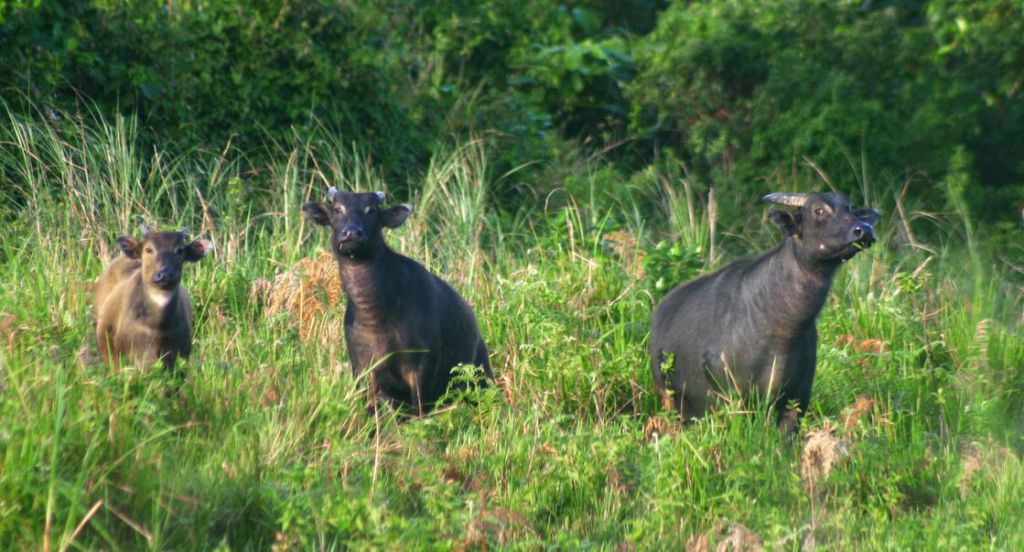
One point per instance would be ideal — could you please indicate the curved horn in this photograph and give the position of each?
(380, 197)
(793, 200)
(331, 192)
(144, 229)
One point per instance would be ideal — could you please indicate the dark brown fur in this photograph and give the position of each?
(143, 314)
(407, 324)
(750, 326)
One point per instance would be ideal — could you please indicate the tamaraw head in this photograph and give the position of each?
(824, 226)
(356, 221)
(163, 254)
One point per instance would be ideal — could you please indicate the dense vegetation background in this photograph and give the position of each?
(569, 163)
(741, 93)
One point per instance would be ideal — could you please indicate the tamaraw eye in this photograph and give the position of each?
(370, 210)
(339, 209)
(149, 249)
(819, 212)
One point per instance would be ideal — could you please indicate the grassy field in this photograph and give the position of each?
(913, 441)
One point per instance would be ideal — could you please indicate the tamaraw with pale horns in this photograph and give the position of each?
(405, 323)
(751, 325)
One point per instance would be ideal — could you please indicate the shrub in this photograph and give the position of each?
(744, 91)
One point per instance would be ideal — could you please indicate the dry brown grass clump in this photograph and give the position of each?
(864, 415)
(305, 292)
(983, 460)
(502, 526)
(732, 537)
(658, 427)
(979, 346)
(862, 346)
(820, 454)
(971, 464)
(8, 329)
(469, 482)
(626, 246)
(859, 409)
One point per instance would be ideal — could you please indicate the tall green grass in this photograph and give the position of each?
(268, 443)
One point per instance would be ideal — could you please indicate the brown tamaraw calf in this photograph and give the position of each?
(751, 325)
(405, 323)
(143, 313)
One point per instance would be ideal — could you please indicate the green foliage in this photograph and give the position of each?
(748, 90)
(268, 443)
(209, 74)
(9, 6)
(981, 71)
(740, 92)
(569, 164)
(666, 265)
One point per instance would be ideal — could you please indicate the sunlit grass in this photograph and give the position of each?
(268, 441)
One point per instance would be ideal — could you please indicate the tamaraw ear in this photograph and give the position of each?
(317, 212)
(868, 216)
(787, 221)
(197, 250)
(395, 216)
(129, 246)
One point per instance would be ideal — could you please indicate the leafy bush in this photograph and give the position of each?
(668, 265)
(747, 90)
(206, 74)
(873, 93)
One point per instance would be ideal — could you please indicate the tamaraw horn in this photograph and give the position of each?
(793, 200)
